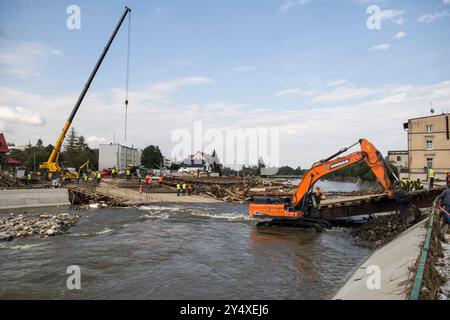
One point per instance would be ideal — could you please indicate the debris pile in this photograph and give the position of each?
(443, 267)
(243, 192)
(379, 230)
(80, 196)
(8, 181)
(43, 225)
(235, 194)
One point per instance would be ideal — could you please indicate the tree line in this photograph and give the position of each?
(75, 152)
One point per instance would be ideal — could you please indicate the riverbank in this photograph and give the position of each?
(133, 197)
(387, 274)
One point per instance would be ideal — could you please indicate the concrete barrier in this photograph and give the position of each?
(29, 198)
(390, 266)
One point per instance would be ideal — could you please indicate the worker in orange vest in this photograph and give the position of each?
(149, 181)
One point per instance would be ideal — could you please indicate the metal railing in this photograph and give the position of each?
(415, 292)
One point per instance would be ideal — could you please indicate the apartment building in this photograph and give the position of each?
(428, 146)
(116, 155)
(399, 158)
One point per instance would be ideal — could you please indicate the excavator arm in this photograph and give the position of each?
(368, 153)
(296, 210)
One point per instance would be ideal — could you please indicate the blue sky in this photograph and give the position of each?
(288, 64)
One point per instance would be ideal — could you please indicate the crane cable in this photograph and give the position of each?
(127, 74)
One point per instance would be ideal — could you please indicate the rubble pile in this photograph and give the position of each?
(81, 196)
(242, 192)
(235, 194)
(8, 181)
(43, 225)
(378, 230)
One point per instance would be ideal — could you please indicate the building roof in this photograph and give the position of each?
(10, 160)
(3, 145)
(398, 152)
(200, 158)
(432, 116)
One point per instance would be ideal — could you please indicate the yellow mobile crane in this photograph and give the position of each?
(51, 166)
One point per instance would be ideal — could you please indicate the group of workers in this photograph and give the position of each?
(410, 185)
(184, 187)
(149, 180)
(78, 176)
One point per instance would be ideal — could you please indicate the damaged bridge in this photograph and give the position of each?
(370, 204)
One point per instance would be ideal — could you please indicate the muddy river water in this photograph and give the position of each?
(178, 252)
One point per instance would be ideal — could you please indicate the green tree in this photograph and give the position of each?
(228, 172)
(288, 171)
(151, 157)
(77, 152)
(261, 165)
(71, 143)
(39, 143)
(174, 166)
(216, 166)
(32, 156)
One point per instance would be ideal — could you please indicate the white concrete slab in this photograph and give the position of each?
(394, 260)
(30, 198)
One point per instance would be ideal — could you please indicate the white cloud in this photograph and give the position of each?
(338, 82)
(395, 16)
(291, 4)
(94, 141)
(24, 59)
(431, 17)
(288, 92)
(347, 93)
(294, 92)
(376, 113)
(380, 47)
(446, 1)
(243, 68)
(399, 35)
(20, 115)
(162, 90)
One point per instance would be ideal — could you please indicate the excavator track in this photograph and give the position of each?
(302, 223)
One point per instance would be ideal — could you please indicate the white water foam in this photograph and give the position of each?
(151, 208)
(26, 246)
(233, 216)
(155, 215)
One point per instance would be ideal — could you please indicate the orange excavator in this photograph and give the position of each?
(301, 209)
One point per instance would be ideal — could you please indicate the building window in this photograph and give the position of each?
(430, 162)
(429, 128)
(399, 158)
(429, 144)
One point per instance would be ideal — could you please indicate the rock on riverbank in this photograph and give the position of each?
(380, 230)
(43, 225)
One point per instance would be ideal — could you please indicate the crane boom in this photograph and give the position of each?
(52, 163)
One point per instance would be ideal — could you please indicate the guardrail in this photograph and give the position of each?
(415, 292)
